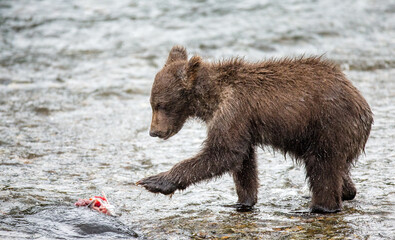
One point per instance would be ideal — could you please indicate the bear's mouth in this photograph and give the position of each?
(168, 135)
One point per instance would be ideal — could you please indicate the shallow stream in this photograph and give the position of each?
(75, 79)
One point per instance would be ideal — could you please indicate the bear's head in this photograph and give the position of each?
(171, 93)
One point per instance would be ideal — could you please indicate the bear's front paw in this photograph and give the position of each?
(324, 210)
(158, 184)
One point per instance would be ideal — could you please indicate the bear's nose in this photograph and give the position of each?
(154, 133)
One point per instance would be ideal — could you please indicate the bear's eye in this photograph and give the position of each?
(160, 106)
(164, 107)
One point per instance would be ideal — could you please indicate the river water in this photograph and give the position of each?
(75, 79)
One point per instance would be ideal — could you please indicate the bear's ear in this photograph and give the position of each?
(177, 53)
(192, 69)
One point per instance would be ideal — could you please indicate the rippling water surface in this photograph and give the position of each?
(75, 79)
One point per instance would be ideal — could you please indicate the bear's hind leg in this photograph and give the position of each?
(349, 191)
(247, 183)
(325, 177)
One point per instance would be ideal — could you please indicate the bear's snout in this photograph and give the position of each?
(160, 134)
(154, 133)
(161, 125)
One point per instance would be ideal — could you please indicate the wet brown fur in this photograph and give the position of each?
(304, 107)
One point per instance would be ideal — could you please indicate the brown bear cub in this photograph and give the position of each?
(305, 107)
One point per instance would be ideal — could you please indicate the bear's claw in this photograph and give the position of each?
(158, 184)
